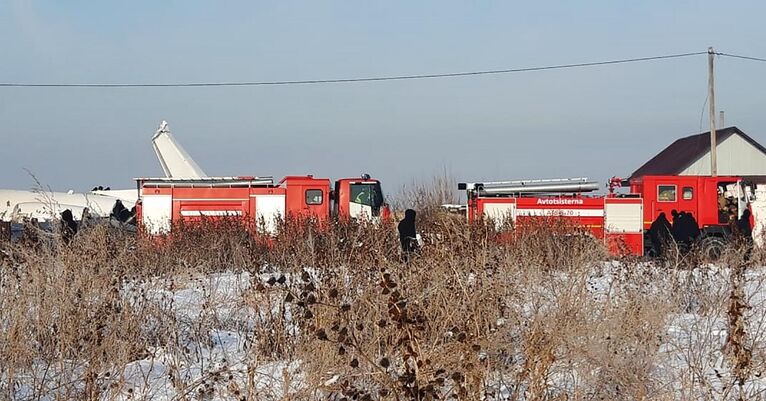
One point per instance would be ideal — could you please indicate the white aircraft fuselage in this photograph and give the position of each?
(45, 206)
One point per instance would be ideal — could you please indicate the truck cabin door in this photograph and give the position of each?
(674, 195)
(687, 199)
(744, 196)
(314, 203)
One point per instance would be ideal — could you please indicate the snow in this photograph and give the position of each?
(216, 319)
(216, 366)
(214, 329)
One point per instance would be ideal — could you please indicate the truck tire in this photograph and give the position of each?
(712, 247)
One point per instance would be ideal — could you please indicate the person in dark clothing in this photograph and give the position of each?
(132, 218)
(685, 228)
(694, 227)
(745, 232)
(118, 210)
(675, 227)
(660, 233)
(408, 233)
(744, 228)
(68, 225)
(674, 214)
(124, 216)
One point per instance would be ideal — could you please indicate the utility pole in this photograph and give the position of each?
(711, 112)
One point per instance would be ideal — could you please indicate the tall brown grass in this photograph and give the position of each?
(546, 317)
(427, 196)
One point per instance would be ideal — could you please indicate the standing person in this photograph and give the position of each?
(118, 210)
(683, 229)
(745, 231)
(408, 233)
(674, 225)
(68, 226)
(694, 227)
(743, 225)
(660, 233)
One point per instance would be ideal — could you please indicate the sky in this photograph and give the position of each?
(596, 122)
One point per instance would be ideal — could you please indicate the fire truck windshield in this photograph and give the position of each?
(368, 194)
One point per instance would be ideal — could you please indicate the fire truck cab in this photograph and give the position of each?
(257, 200)
(714, 202)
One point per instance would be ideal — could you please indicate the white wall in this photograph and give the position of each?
(735, 155)
(759, 214)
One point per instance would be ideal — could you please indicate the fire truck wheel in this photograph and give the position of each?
(712, 247)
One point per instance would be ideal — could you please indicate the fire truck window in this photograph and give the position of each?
(362, 194)
(688, 193)
(313, 196)
(666, 193)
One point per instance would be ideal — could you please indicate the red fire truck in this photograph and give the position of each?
(621, 220)
(256, 200)
(714, 202)
(612, 219)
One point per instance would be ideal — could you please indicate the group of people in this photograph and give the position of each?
(69, 226)
(684, 230)
(660, 233)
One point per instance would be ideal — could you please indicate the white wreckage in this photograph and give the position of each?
(43, 206)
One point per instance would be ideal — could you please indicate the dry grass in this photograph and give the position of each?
(427, 196)
(546, 317)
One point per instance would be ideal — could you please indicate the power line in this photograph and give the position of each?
(351, 80)
(742, 57)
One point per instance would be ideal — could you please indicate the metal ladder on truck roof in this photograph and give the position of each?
(205, 182)
(556, 185)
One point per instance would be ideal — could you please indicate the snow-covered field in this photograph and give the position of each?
(216, 321)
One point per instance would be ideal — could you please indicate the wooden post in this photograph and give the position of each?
(711, 112)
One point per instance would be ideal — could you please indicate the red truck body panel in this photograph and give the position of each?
(615, 221)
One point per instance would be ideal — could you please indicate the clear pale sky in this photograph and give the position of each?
(596, 122)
